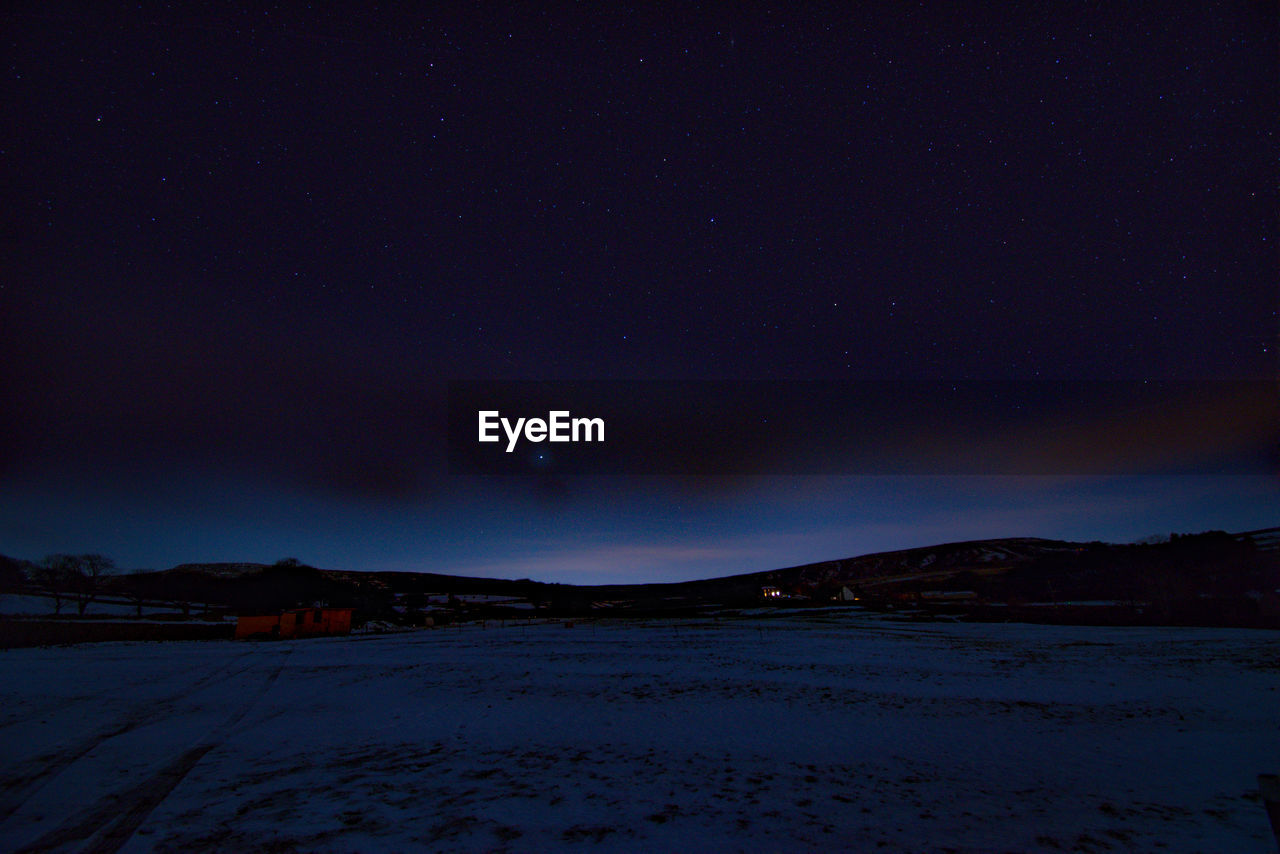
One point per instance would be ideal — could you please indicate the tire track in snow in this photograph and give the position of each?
(23, 782)
(111, 822)
(53, 707)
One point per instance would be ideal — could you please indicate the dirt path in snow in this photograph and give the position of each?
(109, 823)
(22, 782)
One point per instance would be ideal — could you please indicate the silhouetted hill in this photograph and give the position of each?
(218, 570)
(1212, 578)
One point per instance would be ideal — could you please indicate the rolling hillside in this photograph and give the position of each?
(1212, 578)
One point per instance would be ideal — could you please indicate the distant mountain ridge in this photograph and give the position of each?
(219, 570)
(947, 556)
(1212, 578)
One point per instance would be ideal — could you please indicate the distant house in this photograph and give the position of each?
(296, 623)
(770, 593)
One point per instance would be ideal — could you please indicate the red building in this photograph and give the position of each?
(296, 623)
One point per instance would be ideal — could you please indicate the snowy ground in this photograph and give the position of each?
(42, 606)
(824, 732)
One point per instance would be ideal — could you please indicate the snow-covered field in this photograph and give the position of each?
(836, 731)
(42, 606)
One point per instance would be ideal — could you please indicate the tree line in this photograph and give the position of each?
(72, 578)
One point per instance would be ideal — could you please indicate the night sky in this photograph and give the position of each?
(243, 252)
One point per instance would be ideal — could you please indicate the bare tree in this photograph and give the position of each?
(55, 577)
(88, 574)
(133, 589)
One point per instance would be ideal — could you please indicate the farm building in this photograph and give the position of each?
(296, 623)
